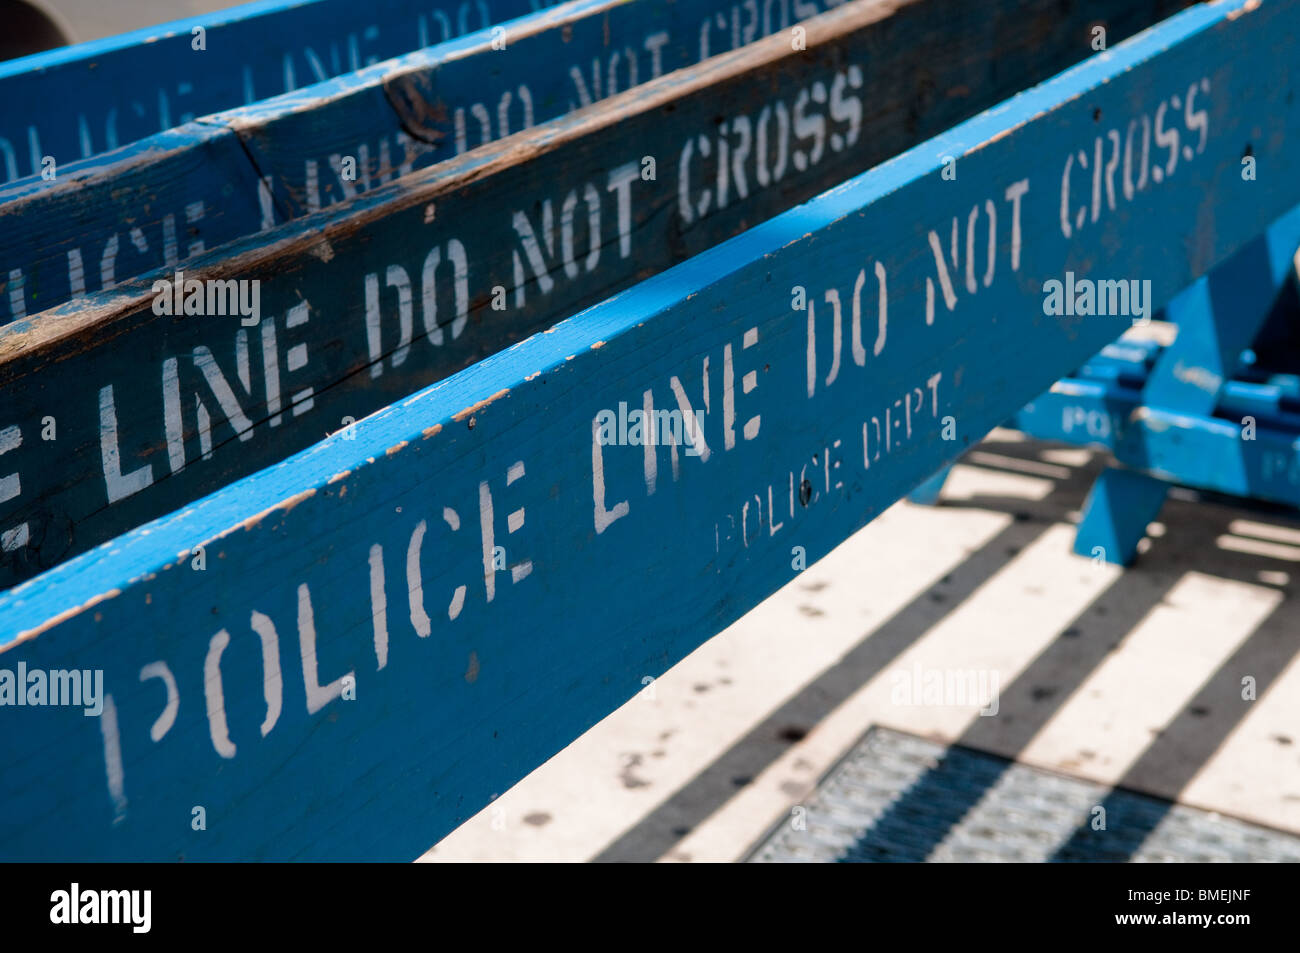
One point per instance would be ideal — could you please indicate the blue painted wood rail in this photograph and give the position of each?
(398, 623)
(160, 200)
(428, 273)
(81, 100)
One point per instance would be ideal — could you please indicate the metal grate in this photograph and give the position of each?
(897, 797)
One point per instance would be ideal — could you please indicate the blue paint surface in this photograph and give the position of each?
(348, 558)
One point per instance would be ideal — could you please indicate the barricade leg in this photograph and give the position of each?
(1116, 514)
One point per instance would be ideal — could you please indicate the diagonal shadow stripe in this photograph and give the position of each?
(656, 833)
(1026, 707)
(918, 821)
(672, 820)
(1188, 743)
(1176, 755)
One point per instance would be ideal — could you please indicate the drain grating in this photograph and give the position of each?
(897, 797)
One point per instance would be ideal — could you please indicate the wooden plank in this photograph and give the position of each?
(1248, 448)
(1115, 516)
(167, 197)
(115, 91)
(406, 283)
(358, 667)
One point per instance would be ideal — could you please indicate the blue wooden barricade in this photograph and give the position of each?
(449, 264)
(346, 654)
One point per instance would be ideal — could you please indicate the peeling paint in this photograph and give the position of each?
(252, 521)
(475, 408)
(59, 619)
(1249, 7)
